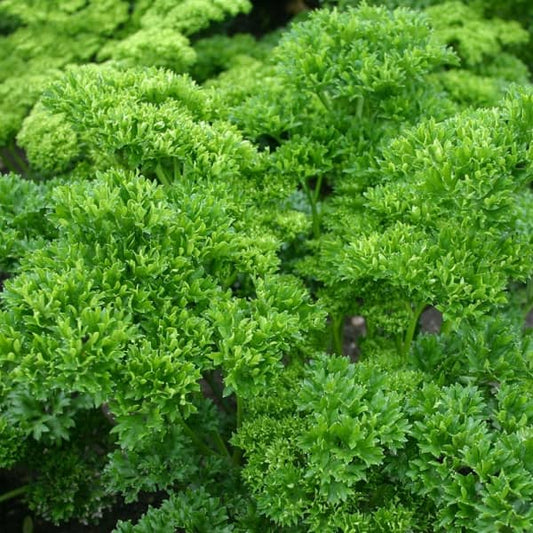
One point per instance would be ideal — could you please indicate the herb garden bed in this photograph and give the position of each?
(266, 268)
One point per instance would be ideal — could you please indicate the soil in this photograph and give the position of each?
(355, 328)
(3, 277)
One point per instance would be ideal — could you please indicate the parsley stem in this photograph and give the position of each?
(8, 164)
(314, 206)
(22, 165)
(325, 100)
(316, 222)
(13, 493)
(318, 187)
(197, 441)
(176, 169)
(446, 327)
(237, 453)
(312, 197)
(221, 444)
(161, 175)
(410, 333)
(360, 107)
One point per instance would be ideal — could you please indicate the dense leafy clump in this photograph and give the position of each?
(136, 312)
(492, 38)
(44, 37)
(128, 118)
(450, 223)
(23, 223)
(218, 253)
(371, 448)
(326, 115)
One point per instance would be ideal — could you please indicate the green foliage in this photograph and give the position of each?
(154, 121)
(49, 35)
(133, 313)
(194, 510)
(155, 466)
(67, 480)
(44, 134)
(311, 459)
(170, 255)
(160, 47)
(478, 478)
(159, 31)
(12, 449)
(490, 37)
(42, 37)
(483, 46)
(150, 119)
(351, 42)
(17, 96)
(180, 259)
(474, 38)
(488, 354)
(371, 448)
(23, 224)
(220, 52)
(449, 225)
(342, 82)
(186, 16)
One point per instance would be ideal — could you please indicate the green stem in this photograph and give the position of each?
(325, 100)
(9, 165)
(337, 327)
(221, 445)
(446, 327)
(316, 221)
(360, 106)
(197, 441)
(175, 165)
(410, 333)
(311, 196)
(318, 187)
(237, 453)
(23, 166)
(314, 206)
(13, 493)
(161, 176)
